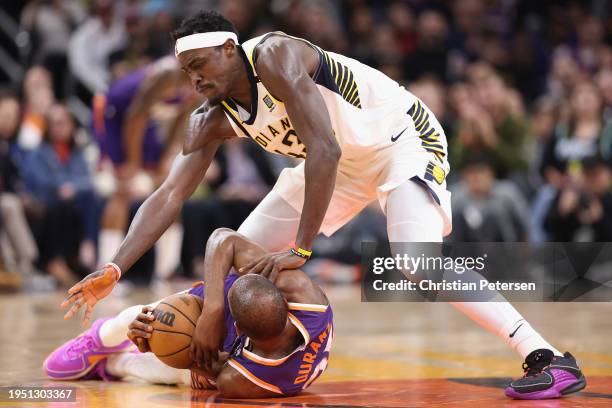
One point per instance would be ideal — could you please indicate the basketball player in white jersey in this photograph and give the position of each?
(363, 138)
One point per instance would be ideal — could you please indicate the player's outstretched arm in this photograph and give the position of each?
(152, 219)
(284, 66)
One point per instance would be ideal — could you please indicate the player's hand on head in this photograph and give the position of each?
(270, 265)
(89, 291)
(207, 339)
(139, 331)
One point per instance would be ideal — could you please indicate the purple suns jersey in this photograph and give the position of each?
(291, 374)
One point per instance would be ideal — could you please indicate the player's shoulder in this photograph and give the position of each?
(297, 287)
(205, 124)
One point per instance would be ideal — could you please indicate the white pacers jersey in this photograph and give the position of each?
(371, 116)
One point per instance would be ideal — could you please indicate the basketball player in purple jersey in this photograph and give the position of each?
(277, 339)
(363, 137)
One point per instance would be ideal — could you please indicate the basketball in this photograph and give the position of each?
(175, 320)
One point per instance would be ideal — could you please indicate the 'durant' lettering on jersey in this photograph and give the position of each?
(309, 358)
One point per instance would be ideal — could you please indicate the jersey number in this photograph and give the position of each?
(290, 139)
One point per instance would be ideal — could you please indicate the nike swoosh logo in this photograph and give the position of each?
(515, 330)
(394, 138)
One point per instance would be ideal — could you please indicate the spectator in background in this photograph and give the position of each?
(604, 83)
(57, 174)
(105, 29)
(38, 97)
(50, 23)
(433, 93)
(360, 31)
(431, 54)
(585, 134)
(139, 149)
(486, 209)
(402, 20)
(582, 211)
(490, 120)
(564, 74)
(17, 246)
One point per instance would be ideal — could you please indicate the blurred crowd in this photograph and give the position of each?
(522, 88)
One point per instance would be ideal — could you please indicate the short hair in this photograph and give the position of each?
(203, 22)
(259, 308)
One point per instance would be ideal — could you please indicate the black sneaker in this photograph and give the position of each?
(547, 376)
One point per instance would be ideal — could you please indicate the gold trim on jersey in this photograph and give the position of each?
(251, 377)
(430, 138)
(307, 307)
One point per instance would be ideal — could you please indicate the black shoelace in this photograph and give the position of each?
(535, 365)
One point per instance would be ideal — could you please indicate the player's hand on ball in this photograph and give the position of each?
(271, 264)
(140, 329)
(207, 339)
(89, 291)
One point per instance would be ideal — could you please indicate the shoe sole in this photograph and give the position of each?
(550, 393)
(577, 386)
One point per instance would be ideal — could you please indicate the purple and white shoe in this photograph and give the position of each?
(547, 376)
(82, 358)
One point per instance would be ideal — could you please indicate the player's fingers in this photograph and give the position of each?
(136, 333)
(274, 273)
(143, 317)
(204, 362)
(267, 269)
(71, 299)
(147, 309)
(195, 354)
(140, 325)
(249, 265)
(72, 311)
(143, 345)
(257, 268)
(76, 288)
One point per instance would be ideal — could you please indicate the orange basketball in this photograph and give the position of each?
(175, 321)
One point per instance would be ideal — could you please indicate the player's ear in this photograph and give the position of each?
(229, 47)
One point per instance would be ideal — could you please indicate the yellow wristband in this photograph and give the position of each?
(302, 251)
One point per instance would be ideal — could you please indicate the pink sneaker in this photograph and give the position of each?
(83, 357)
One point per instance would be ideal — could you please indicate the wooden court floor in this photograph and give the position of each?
(384, 355)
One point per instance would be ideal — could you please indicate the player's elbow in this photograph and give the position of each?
(228, 387)
(223, 236)
(328, 152)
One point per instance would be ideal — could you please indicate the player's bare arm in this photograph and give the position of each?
(154, 216)
(285, 67)
(226, 249)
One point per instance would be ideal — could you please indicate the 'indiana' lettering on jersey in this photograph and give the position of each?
(291, 374)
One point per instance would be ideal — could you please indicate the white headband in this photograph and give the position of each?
(203, 40)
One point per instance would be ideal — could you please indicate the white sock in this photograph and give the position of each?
(421, 222)
(147, 367)
(114, 331)
(502, 319)
(108, 242)
(168, 251)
